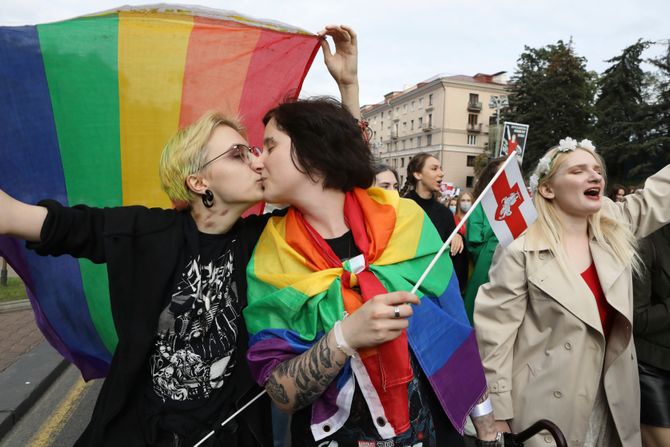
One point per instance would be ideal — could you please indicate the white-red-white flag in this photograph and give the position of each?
(508, 205)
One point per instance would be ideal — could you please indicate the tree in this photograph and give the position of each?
(623, 116)
(657, 142)
(551, 91)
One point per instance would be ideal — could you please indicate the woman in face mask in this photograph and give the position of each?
(452, 204)
(461, 205)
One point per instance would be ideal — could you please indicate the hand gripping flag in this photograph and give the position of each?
(297, 292)
(507, 204)
(87, 105)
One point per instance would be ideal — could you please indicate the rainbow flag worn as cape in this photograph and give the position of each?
(87, 105)
(296, 295)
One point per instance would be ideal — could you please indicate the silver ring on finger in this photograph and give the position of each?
(396, 312)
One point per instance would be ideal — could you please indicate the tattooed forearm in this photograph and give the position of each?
(486, 424)
(298, 382)
(276, 391)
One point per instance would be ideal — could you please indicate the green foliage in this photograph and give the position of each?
(657, 142)
(14, 290)
(623, 116)
(552, 92)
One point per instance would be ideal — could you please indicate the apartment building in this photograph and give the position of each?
(446, 116)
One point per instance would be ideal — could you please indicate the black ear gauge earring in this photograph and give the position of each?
(208, 198)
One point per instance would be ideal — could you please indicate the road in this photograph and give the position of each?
(59, 417)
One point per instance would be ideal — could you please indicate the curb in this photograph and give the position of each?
(11, 306)
(25, 381)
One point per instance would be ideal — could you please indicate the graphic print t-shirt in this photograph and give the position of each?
(195, 345)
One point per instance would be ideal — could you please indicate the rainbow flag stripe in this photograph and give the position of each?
(87, 105)
(294, 300)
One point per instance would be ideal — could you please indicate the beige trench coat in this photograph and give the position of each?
(540, 336)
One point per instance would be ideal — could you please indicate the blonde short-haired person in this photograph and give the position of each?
(177, 283)
(554, 324)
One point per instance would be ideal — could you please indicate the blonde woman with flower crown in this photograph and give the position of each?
(554, 322)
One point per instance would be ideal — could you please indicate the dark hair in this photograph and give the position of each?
(381, 167)
(614, 189)
(416, 164)
(486, 175)
(325, 141)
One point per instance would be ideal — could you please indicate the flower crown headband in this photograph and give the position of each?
(544, 165)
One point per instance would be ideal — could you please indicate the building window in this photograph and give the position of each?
(472, 119)
(472, 140)
(404, 108)
(429, 140)
(470, 161)
(388, 148)
(420, 103)
(402, 162)
(395, 145)
(411, 125)
(412, 107)
(430, 99)
(430, 120)
(469, 181)
(418, 141)
(382, 126)
(420, 122)
(404, 125)
(404, 144)
(474, 97)
(382, 114)
(411, 143)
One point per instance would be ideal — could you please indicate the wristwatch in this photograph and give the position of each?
(499, 441)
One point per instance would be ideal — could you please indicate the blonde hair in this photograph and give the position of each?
(184, 154)
(610, 233)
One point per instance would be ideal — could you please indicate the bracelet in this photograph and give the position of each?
(342, 344)
(498, 442)
(482, 409)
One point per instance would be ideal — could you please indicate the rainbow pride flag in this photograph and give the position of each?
(87, 105)
(296, 295)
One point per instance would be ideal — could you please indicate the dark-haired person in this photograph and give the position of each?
(617, 193)
(480, 238)
(651, 327)
(386, 177)
(177, 284)
(424, 175)
(326, 301)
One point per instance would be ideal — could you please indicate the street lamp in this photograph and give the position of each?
(498, 103)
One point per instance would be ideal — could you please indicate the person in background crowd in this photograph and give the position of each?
(386, 177)
(424, 175)
(617, 193)
(462, 260)
(651, 327)
(554, 324)
(452, 204)
(481, 241)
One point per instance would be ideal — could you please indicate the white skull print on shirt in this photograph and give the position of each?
(197, 332)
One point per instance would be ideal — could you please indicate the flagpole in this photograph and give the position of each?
(511, 157)
(231, 417)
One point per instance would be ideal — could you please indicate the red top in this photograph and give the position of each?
(605, 310)
(462, 230)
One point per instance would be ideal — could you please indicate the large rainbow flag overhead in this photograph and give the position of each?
(86, 106)
(297, 292)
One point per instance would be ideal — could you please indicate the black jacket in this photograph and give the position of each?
(651, 325)
(144, 250)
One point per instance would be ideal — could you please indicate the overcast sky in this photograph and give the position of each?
(404, 42)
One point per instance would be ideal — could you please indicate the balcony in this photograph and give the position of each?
(474, 106)
(427, 127)
(476, 127)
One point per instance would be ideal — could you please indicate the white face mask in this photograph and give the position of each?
(452, 208)
(465, 206)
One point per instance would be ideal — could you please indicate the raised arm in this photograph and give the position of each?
(343, 64)
(18, 219)
(296, 383)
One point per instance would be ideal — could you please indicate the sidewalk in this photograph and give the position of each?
(28, 364)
